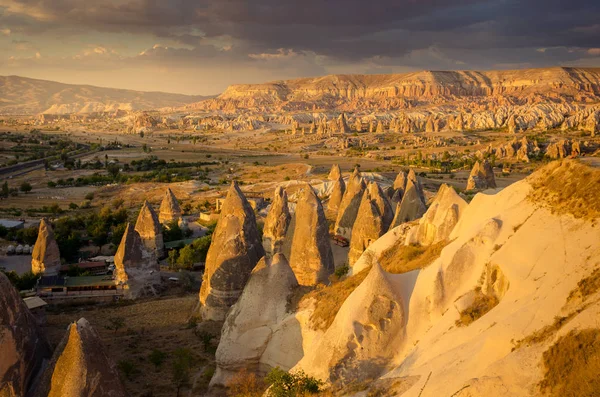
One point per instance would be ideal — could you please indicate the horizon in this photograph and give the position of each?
(200, 48)
(304, 77)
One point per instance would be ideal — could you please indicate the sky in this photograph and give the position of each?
(202, 46)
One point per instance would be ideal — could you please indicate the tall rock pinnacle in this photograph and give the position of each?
(311, 257)
(277, 223)
(233, 253)
(148, 227)
(45, 257)
(349, 206)
(169, 208)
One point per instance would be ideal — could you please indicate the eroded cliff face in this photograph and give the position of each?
(581, 82)
(23, 347)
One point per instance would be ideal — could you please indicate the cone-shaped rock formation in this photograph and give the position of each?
(481, 177)
(367, 228)
(439, 220)
(149, 229)
(250, 325)
(277, 223)
(411, 207)
(311, 257)
(233, 253)
(337, 194)
(169, 208)
(45, 257)
(335, 173)
(348, 208)
(357, 344)
(80, 367)
(23, 347)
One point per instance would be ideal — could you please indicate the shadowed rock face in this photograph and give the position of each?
(135, 266)
(251, 323)
(23, 347)
(337, 194)
(399, 186)
(349, 206)
(130, 253)
(311, 257)
(45, 257)
(80, 367)
(335, 173)
(384, 208)
(481, 177)
(169, 208)
(411, 207)
(233, 253)
(277, 223)
(367, 228)
(148, 227)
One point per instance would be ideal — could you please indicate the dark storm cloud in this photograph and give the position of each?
(345, 30)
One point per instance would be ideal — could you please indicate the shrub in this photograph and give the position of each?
(89, 196)
(25, 187)
(157, 358)
(286, 384)
(572, 365)
(128, 369)
(246, 384)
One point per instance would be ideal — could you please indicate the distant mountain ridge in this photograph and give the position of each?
(26, 96)
(335, 90)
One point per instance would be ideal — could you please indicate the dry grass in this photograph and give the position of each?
(160, 324)
(246, 384)
(572, 365)
(402, 258)
(586, 286)
(330, 298)
(545, 332)
(568, 187)
(481, 305)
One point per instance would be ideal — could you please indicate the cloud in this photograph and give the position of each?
(275, 39)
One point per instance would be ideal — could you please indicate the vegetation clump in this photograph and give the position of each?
(401, 258)
(286, 384)
(481, 305)
(330, 299)
(572, 365)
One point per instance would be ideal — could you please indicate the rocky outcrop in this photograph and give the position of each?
(481, 177)
(311, 257)
(439, 220)
(561, 149)
(45, 257)
(335, 173)
(372, 222)
(357, 345)
(234, 251)
(384, 208)
(249, 329)
(169, 208)
(150, 231)
(399, 186)
(276, 223)
(412, 205)
(23, 347)
(80, 367)
(337, 195)
(136, 268)
(348, 208)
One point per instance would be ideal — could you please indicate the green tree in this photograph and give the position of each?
(286, 384)
(5, 190)
(181, 367)
(157, 358)
(172, 259)
(25, 187)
